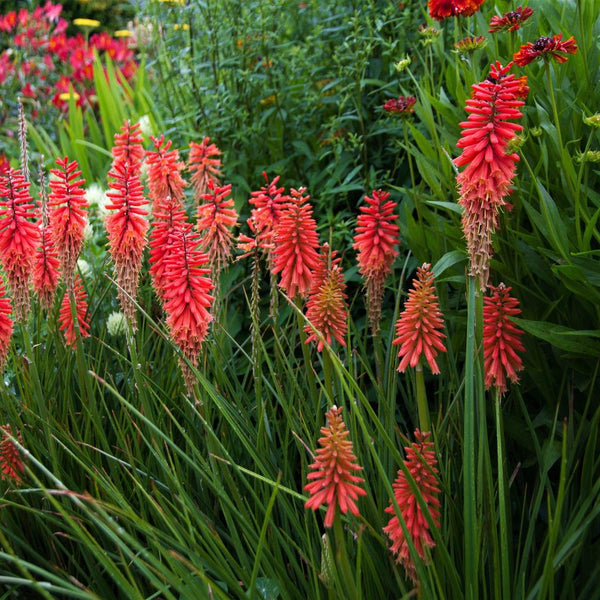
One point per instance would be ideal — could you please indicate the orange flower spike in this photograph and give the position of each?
(326, 307)
(164, 172)
(501, 338)
(11, 465)
(205, 165)
(296, 245)
(331, 480)
(419, 327)
(19, 238)
(6, 324)
(46, 267)
(65, 319)
(216, 218)
(129, 147)
(421, 463)
(67, 214)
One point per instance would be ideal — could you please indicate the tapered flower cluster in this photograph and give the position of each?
(326, 307)
(296, 253)
(6, 324)
(489, 168)
(501, 338)
(331, 481)
(546, 48)
(126, 226)
(205, 165)
(19, 238)
(376, 239)
(11, 465)
(442, 9)
(74, 301)
(164, 172)
(187, 298)
(268, 205)
(419, 327)
(67, 215)
(421, 463)
(216, 219)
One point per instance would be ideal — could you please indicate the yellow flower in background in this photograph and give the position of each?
(180, 2)
(86, 22)
(183, 26)
(123, 33)
(67, 96)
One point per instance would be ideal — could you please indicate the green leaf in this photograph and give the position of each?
(571, 340)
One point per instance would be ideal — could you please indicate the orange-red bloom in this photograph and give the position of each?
(546, 48)
(67, 214)
(11, 465)
(216, 218)
(127, 225)
(442, 9)
(501, 338)
(402, 106)
(46, 267)
(486, 180)
(296, 245)
(326, 307)
(6, 324)
(421, 463)
(187, 295)
(510, 21)
(331, 480)
(376, 240)
(71, 330)
(205, 165)
(19, 238)
(164, 172)
(419, 327)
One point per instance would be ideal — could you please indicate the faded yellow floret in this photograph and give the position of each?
(86, 22)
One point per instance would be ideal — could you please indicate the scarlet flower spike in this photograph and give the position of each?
(501, 338)
(419, 327)
(6, 325)
(205, 165)
(546, 48)
(489, 168)
(11, 465)
(331, 481)
(67, 325)
(442, 9)
(376, 240)
(19, 238)
(296, 241)
(216, 218)
(67, 214)
(46, 268)
(127, 225)
(326, 307)
(187, 287)
(164, 172)
(421, 463)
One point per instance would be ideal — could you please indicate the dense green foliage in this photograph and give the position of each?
(133, 489)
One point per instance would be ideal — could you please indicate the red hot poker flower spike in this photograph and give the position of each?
(67, 214)
(331, 480)
(419, 327)
(296, 245)
(128, 146)
(546, 48)
(11, 465)
(421, 463)
(510, 21)
(205, 165)
(489, 168)
(501, 338)
(6, 324)
(46, 267)
(326, 306)
(67, 325)
(19, 238)
(164, 172)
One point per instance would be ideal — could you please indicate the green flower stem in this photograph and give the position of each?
(327, 370)
(554, 109)
(422, 407)
(342, 561)
(502, 499)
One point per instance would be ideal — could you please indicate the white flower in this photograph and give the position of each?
(116, 324)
